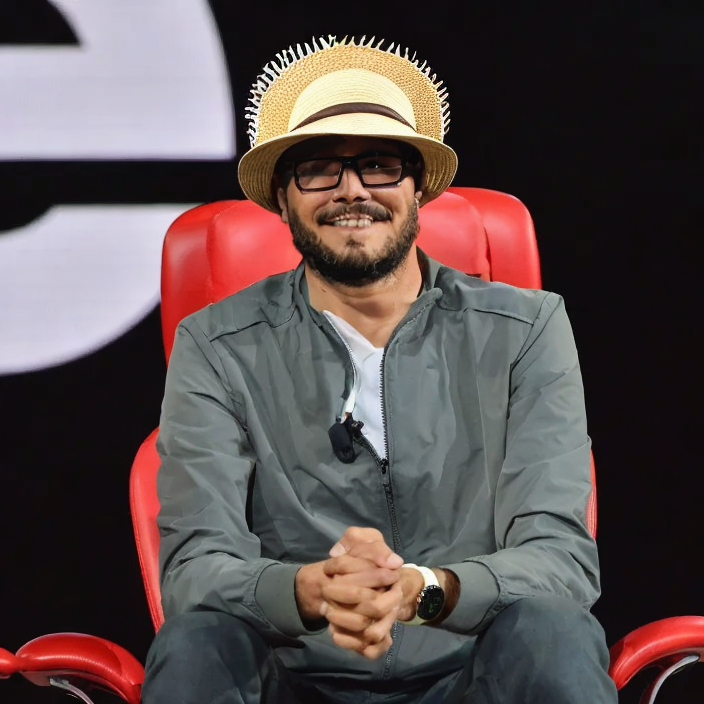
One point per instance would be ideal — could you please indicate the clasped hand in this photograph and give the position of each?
(361, 590)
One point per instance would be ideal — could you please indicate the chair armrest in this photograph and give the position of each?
(76, 657)
(9, 664)
(658, 644)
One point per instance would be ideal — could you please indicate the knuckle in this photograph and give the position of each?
(390, 576)
(356, 623)
(366, 534)
(377, 610)
(374, 636)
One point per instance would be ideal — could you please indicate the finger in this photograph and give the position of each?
(372, 642)
(352, 536)
(359, 617)
(365, 628)
(378, 630)
(346, 594)
(371, 579)
(363, 574)
(372, 652)
(346, 639)
(368, 650)
(378, 553)
(347, 619)
(375, 605)
(355, 589)
(347, 564)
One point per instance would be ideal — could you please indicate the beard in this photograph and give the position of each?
(354, 266)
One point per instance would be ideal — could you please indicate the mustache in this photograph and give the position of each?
(374, 211)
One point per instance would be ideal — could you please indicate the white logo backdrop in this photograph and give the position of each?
(147, 81)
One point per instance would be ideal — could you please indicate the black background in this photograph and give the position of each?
(591, 114)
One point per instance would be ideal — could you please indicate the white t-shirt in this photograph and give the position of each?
(367, 362)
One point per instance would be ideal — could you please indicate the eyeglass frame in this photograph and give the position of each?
(409, 167)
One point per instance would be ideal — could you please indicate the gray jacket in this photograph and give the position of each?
(487, 469)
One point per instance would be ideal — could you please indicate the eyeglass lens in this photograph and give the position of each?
(326, 172)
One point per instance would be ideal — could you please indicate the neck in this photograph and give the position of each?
(375, 309)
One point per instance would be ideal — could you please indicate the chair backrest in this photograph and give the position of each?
(216, 249)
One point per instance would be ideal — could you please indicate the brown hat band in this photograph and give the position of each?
(345, 108)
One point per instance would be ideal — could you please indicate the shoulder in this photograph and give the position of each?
(269, 301)
(463, 292)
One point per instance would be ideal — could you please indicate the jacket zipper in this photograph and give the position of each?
(385, 468)
(386, 481)
(382, 462)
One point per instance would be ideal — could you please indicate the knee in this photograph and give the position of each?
(194, 629)
(192, 658)
(551, 618)
(548, 644)
(557, 632)
(190, 639)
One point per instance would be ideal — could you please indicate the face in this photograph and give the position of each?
(352, 234)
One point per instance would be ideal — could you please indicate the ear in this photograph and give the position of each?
(419, 197)
(283, 203)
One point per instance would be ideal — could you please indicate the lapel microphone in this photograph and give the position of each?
(341, 434)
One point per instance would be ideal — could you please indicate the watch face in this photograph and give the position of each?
(431, 602)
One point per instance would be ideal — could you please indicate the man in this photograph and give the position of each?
(375, 469)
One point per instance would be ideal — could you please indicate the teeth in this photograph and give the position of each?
(341, 222)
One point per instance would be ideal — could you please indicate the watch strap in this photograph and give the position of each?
(429, 578)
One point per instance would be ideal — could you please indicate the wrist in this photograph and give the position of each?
(450, 584)
(412, 583)
(429, 599)
(308, 591)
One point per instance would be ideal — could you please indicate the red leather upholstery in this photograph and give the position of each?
(86, 658)
(513, 249)
(658, 644)
(144, 506)
(9, 664)
(216, 249)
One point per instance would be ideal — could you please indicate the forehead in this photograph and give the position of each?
(337, 145)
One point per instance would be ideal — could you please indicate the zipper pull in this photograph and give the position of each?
(384, 464)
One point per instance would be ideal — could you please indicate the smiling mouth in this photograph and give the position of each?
(347, 221)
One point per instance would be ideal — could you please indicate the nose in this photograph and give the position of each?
(350, 188)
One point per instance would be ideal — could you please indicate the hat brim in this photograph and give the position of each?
(256, 168)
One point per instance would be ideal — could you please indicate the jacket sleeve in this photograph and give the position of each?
(209, 559)
(543, 544)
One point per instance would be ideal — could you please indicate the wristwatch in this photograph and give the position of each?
(430, 600)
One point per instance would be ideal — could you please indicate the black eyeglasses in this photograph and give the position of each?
(375, 170)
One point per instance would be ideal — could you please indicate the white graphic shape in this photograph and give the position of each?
(148, 81)
(76, 279)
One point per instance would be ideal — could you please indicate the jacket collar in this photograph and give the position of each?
(429, 293)
(282, 293)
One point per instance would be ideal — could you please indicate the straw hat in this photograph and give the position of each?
(347, 88)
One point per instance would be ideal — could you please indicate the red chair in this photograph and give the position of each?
(217, 249)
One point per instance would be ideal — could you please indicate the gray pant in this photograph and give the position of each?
(542, 650)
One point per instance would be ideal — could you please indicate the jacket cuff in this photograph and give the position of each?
(275, 594)
(479, 592)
